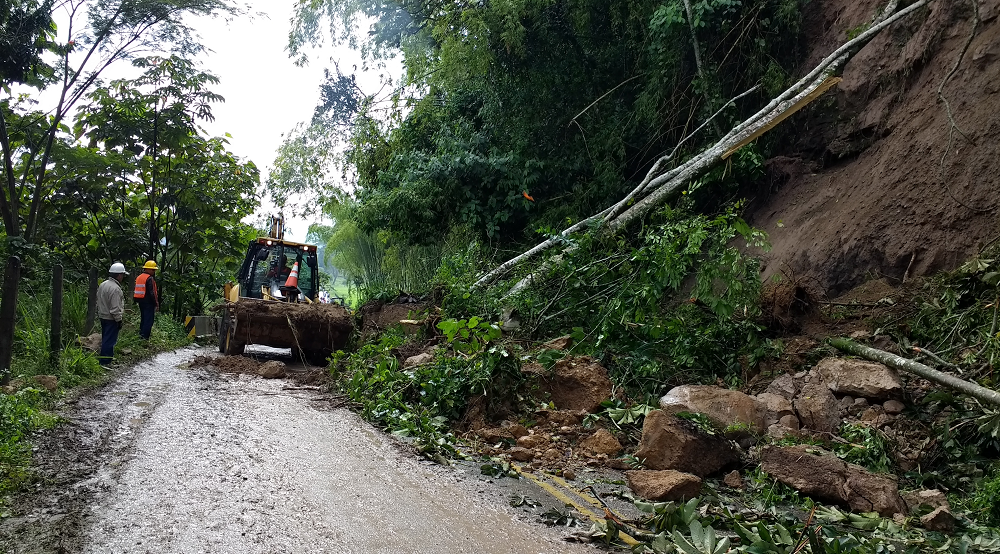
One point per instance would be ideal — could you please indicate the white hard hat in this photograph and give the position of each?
(117, 268)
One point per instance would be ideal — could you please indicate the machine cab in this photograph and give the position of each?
(267, 266)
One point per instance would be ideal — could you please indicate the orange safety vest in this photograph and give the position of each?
(140, 286)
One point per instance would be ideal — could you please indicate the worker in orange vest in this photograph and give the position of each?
(147, 297)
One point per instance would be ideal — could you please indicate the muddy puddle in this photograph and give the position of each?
(168, 458)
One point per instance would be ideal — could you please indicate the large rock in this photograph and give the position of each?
(786, 386)
(928, 498)
(860, 378)
(578, 383)
(939, 520)
(774, 407)
(822, 474)
(272, 369)
(663, 485)
(669, 442)
(602, 442)
(817, 407)
(419, 359)
(91, 342)
(723, 406)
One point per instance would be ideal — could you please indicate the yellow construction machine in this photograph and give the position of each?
(275, 302)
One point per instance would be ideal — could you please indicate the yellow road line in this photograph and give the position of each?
(566, 499)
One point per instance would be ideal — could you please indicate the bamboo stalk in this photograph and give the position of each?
(980, 393)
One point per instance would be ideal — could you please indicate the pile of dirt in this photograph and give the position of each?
(407, 311)
(876, 181)
(268, 369)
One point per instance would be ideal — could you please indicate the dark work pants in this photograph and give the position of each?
(109, 337)
(148, 312)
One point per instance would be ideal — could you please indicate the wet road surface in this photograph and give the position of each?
(171, 459)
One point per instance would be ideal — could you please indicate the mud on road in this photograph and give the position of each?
(167, 458)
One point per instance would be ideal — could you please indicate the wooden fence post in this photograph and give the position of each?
(8, 310)
(88, 328)
(55, 331)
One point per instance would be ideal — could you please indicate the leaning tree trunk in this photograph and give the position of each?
(658, 186)
(980, 393)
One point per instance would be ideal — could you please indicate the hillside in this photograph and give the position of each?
(874, 179)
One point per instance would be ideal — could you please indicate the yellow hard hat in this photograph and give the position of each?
(149, 265)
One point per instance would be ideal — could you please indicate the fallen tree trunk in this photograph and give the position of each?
(980, 393)
(659, 187)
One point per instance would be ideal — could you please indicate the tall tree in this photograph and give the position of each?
(97, 35)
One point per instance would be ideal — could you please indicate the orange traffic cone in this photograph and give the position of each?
(293, 277)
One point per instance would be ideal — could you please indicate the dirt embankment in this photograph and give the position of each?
(876, 180)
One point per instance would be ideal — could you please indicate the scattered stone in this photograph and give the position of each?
(939, 520)
(47, 382)
(419, 359)
(602, 442)
(822, 474)
(91, 342)
(493, 435)
(522, 454)
(532, 441)
(517, 430)
(846, 403)
(778, 431)
(723, 406)
(663, 485)
(860, 378)
(789, 422)
(552, 454)
(272, 369)
(561, 418)
(733, 479)
(785, 386)
(669, 442)
(569, 475)
(561, 343)
(860, 335)
(927, 498)
(578, 383)
(817, 407)
(14, 386)
(774, 406)
(893, 407)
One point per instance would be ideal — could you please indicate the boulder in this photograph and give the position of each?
(578, 383)
(272, 369)
(517, 430)
(860, 378)
(602, 442)
(532, 441)
(669, 442)
(939, 520)
(816, 472)
(893, 407)
(817, 407)
(91, 342)
(928, 498)
(774, 407)
(522, 454)
(47, 382)
(786, 386)
(663, 485)
(419, 359)
(723, 406)
(733, 479)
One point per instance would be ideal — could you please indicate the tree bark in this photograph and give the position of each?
(980, 393)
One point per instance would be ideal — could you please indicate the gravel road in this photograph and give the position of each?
(171, 459)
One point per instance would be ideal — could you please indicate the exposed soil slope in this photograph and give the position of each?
(862, 190)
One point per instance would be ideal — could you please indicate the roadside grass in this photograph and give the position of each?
(25, 405)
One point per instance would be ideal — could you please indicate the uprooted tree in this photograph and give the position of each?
(660, 184)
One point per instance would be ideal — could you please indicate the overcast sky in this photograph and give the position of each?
(266, 94)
